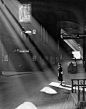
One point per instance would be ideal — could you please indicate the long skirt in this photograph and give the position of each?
(60, 77)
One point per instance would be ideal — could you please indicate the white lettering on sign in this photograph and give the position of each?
(25, 13)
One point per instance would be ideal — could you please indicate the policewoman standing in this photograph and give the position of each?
(60, 73)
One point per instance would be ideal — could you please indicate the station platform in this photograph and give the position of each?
(18, 87)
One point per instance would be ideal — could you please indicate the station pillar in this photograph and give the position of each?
(84, 51)
(0, 56)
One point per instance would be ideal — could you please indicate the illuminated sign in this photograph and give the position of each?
(76, 54)
(25, 13)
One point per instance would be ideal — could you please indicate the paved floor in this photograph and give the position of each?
(15, 90)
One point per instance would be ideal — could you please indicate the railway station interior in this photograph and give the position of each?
(35, 37)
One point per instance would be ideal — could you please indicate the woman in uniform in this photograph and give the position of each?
(60, 73)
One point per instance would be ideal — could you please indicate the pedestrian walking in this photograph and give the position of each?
(60, 73)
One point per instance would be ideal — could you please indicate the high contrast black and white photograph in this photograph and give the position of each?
(42, 54)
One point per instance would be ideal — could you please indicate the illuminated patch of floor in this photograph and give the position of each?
(26, 105)
(57, 84)
(64, 86)
(48, 90)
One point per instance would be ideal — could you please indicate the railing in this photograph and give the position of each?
(79, 86)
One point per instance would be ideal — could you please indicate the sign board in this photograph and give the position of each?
(34, 31)
(76, 54)
(5, 57)
(25, 13)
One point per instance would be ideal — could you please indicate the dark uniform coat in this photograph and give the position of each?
(60, 74)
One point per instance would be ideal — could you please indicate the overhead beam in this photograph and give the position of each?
(72, 36)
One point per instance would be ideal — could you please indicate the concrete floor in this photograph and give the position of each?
(14, 90)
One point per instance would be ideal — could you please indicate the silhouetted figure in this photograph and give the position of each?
(75, 59)
(60, 73)
(70, 67)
